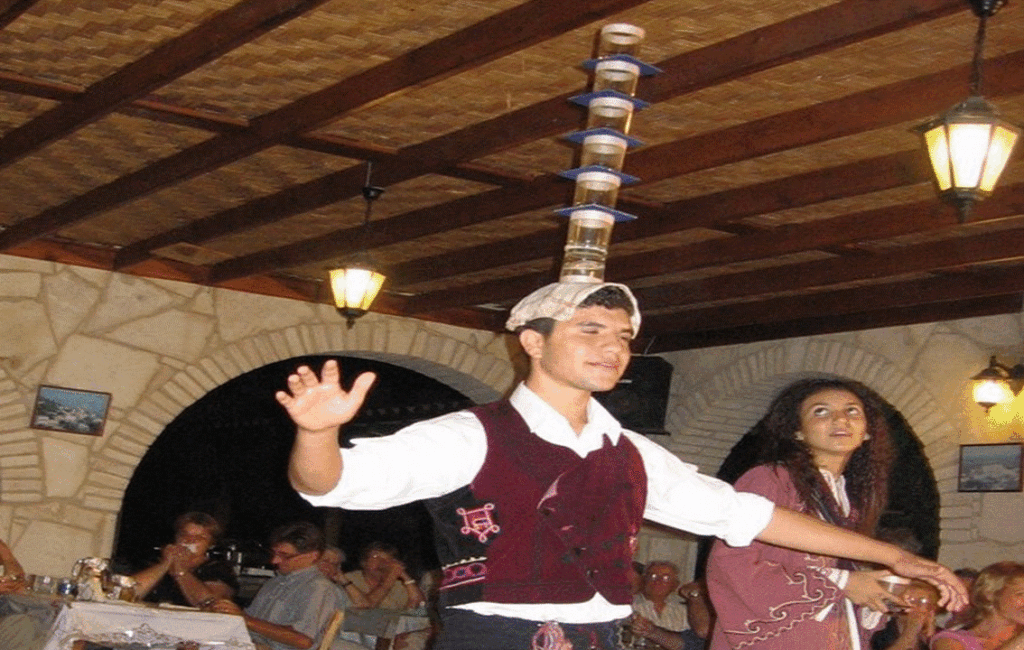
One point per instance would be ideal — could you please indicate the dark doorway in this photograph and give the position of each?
(227, 453)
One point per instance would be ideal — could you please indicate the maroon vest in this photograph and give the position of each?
(539, 524)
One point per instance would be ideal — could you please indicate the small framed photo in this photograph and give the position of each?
(70, 410)
(990, 468)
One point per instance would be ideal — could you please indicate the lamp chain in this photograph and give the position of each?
(370, 193)
(979, 44)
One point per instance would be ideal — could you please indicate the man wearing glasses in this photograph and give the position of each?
(291, 609)
(657, 616)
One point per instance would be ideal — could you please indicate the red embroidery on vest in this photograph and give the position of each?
(478, 521)
(460, 574)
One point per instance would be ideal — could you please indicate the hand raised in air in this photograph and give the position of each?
(318, 404)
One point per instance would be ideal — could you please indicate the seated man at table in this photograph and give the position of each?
(292, 609)
(184, 575)
(657, 615)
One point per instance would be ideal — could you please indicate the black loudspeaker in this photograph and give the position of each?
(640, 399)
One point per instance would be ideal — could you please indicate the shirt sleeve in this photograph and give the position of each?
(681, 497)
(421, 461)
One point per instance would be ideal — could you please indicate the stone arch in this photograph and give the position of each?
(711, 418)
(21, 473)
(477, 366)
(470, 386)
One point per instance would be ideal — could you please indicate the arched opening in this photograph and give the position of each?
(226, 454)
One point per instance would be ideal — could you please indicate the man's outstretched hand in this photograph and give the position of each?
(954, 595)
(318, 404)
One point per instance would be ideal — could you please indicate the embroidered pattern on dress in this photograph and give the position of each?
(478, 521)
(777, 613)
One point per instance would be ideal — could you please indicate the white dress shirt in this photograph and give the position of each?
(432, 458)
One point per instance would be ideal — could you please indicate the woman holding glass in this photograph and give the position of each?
(823, 448)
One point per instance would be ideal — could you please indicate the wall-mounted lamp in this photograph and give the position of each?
(970, 144)
(356, 284)
(997, 384)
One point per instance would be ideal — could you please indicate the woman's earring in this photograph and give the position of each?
(800, 435)
(867, 436)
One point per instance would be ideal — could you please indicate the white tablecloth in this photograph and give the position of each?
(140, 626)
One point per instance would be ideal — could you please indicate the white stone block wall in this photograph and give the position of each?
(718, 394)
(157, 346)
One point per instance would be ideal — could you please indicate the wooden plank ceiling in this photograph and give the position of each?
(782, 191)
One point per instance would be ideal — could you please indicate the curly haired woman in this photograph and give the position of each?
(823, 448)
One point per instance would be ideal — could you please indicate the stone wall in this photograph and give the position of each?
(157, 346)
(718, 394)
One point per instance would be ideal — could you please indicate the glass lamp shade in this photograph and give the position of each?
(989, 392)
(354, 288)
(968, 147)
(992, 386)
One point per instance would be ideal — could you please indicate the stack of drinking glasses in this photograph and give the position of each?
(610, 106)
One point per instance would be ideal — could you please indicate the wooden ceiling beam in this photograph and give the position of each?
(460, 213)
(814, 32)
(327, 143)
(931, 313)
(170, 60)
(523, 25)
(730, 59)
(867, 110)
(873, 224)
(717, 210)
(872, 108)
(804, 35)
(10, 10)
(967, 250)
(823, 235)
(943, 287)
(499, 291)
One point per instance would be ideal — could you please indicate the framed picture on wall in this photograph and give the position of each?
(990, 468)
(70, 410)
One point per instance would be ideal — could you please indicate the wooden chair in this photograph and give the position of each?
(332, 629)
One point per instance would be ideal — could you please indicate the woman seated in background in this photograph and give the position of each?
(382, 581)
(997, 601)
(823, 448)
(13, 576)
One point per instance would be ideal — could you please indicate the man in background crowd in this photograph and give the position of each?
(184, 574)
(658, 615)
(292, 609)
